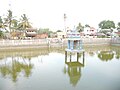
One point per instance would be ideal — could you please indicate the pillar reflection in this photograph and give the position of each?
(73, 68)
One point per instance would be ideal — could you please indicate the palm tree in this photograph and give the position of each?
(24, 23)
(2, 27)
(2, 24)
(9, 19)
(14, 24)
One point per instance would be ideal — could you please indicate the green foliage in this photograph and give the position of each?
(80, 28)
(2, 24)
(1, 34)
(106, 55)
(24, 23)
(45, 30)
(9, 19)
(118, 26)
(107, 24)
(15, 69)
(1, 20)
(86, 25)
(59, 31)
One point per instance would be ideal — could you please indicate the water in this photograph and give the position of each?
(46, 69)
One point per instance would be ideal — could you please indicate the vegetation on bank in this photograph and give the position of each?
(11, 23)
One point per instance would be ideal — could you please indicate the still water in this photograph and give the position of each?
(46, 69)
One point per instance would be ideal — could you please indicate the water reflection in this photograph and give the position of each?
(73, 69)
(106, 55)
(14, 67)
(18, 65)
(118, 55)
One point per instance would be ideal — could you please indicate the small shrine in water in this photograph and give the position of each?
(74, 43)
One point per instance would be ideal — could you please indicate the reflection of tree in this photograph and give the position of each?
(14, 68)
(117, 55)
(106, 55)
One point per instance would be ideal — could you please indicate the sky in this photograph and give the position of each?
(50, 13)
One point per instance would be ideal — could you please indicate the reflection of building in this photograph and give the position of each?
(73, 69)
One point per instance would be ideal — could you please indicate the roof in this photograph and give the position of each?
(118, 32)
(73, 35)
(92, 28)
(31, 29)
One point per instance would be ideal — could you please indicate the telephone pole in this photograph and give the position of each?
(65, 22)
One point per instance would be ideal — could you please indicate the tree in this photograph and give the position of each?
(118, 27)
(14, 24)
(59, 31)
(86, 25)
(2, 24)
(107, 24)
(107, 27)
(79, 27)
(8, 20)
(45, 30)
(24, 23)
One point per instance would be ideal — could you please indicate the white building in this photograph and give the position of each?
(90, 31)
(61, 34)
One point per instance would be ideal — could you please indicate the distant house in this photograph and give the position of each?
(16, 35)
(118, 33)
(90, 31)
(31, 32)
(61, 34)
(43, 35)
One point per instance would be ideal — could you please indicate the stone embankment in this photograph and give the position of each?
(36, 43)
(115, 41)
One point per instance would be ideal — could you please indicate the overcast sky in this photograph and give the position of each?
(49, 13)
